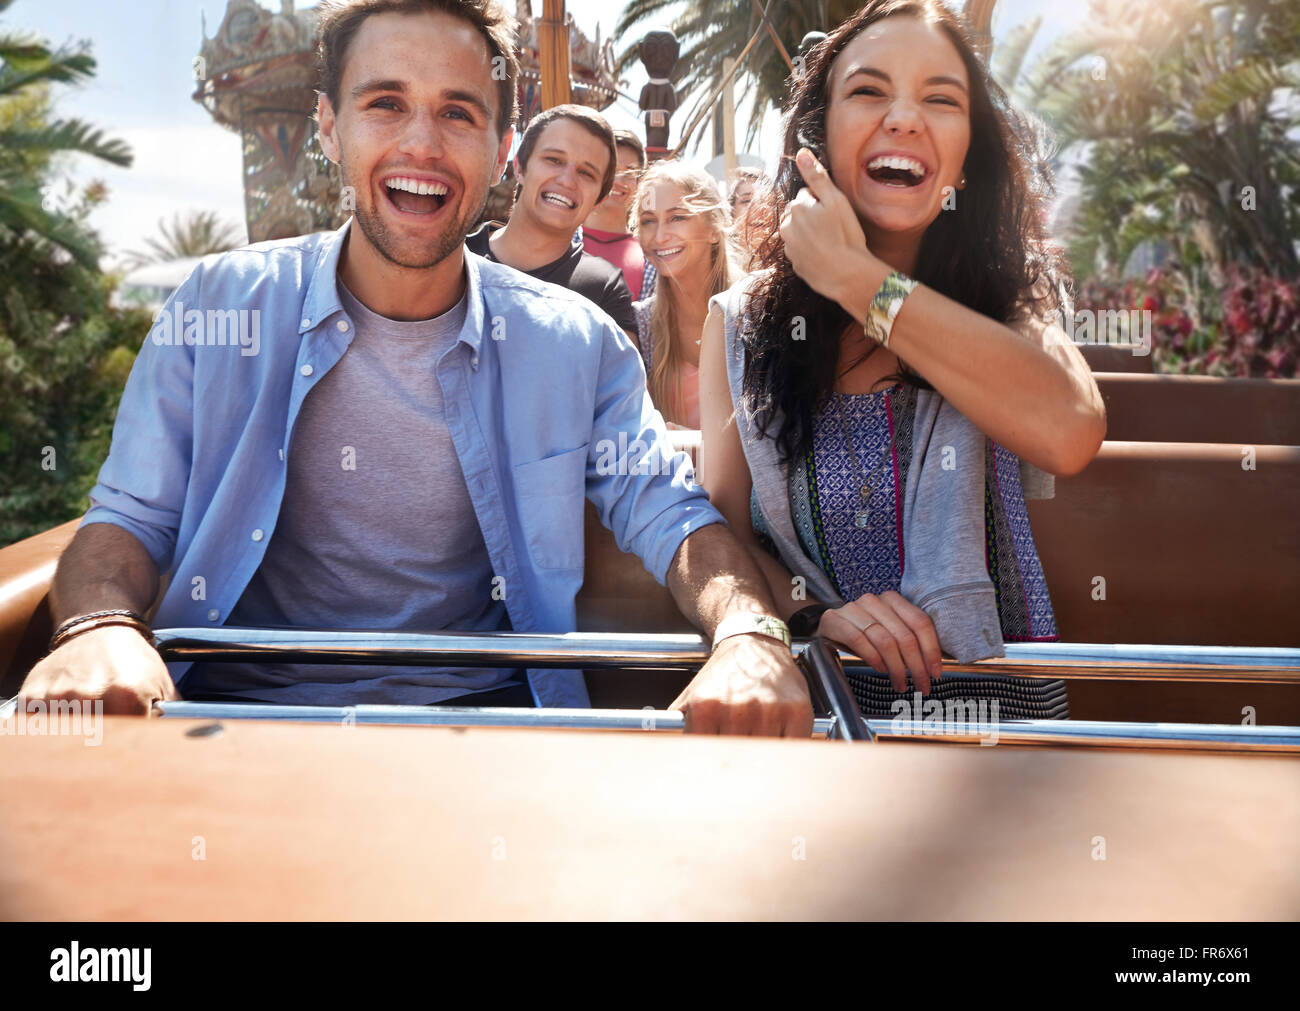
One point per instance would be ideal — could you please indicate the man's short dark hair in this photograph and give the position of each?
(626, 138)
(590, 120)
(339, 20)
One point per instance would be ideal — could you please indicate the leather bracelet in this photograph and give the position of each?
(78, 619)
(803, 623)
(74, 627)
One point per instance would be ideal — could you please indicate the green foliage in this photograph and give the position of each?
(1186, 113)
(29, 139)
(65, 353)
(1008, 60)
(64, 349)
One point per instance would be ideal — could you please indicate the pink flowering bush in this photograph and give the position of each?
(1250, 327)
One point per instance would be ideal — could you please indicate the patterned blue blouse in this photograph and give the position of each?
(857, 539)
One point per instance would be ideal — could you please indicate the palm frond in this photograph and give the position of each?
(21, 213)
(71, 135)
(63, 66)
(1009, 60)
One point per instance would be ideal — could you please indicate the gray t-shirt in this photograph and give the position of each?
(376, 529)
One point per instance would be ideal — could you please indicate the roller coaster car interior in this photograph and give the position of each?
(1156, 542)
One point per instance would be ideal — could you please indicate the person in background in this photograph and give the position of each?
(564, 167)
(742, 190)
(605, 233)
(748, 223)
(682, 226)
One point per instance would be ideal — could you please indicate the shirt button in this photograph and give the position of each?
(214, 614)
(258, 535)
(342, 325)
(307, 370)
(306, 321)
(281, 452)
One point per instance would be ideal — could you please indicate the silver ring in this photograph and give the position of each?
(864, 628)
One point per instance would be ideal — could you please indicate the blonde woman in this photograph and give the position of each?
(682, 222)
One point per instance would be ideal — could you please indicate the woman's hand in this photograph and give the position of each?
(891, 634)
(823, 239)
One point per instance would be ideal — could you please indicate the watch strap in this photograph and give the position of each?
(803, 623)
(748, 622)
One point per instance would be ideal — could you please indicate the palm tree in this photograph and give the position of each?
(194, 234)
(712, 29)
(29, 139)
(1182, 110)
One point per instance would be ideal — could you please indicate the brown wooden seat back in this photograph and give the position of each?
(1192, 550)
(1191, 547)
(1116, 358)
(1150, 408)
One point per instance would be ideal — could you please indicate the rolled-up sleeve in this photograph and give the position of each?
(643, 491)
(142, 484)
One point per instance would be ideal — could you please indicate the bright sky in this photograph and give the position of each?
(183, 161)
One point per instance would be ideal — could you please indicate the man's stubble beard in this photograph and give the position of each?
(377, 233)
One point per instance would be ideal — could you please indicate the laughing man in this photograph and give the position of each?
(411, 444)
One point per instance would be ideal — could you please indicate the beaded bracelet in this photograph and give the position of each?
(885, 306)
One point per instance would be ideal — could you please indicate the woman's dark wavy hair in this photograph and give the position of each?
(989, 253)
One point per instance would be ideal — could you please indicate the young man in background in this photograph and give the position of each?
(565, 166)
(605, 233)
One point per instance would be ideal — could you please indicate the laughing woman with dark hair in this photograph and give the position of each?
(880, 397)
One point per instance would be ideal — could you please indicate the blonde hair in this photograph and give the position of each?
(700, 195)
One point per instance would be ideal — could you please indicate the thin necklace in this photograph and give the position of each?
(862, 516)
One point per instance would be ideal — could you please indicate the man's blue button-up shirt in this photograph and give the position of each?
(545, 399)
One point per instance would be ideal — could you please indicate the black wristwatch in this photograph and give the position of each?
(803, 623)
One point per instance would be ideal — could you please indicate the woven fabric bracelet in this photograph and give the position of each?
(885, 306)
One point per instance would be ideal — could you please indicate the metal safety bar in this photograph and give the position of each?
(464, 649)
(820, 662)
(1097, 734)
(1050, 660)
(1040, 733)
